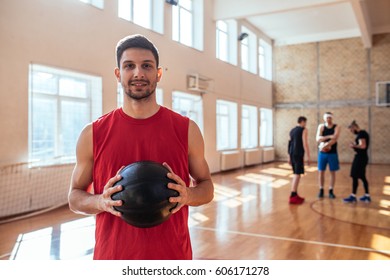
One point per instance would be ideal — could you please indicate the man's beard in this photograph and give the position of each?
(135, 96)
(139, 95)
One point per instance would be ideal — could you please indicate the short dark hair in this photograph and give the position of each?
(135, 41)
(302, 119)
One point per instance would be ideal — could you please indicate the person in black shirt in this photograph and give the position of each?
(297, 148)
(360, 161)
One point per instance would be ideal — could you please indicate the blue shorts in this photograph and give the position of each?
(325, 158)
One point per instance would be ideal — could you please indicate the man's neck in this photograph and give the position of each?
(329, 124)
(140, 109)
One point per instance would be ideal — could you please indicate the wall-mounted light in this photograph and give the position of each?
(242, 36)
(172, 2)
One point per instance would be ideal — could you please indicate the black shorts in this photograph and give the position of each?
(358, 168)
(297, 164)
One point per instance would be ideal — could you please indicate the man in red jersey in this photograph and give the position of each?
(140, 130)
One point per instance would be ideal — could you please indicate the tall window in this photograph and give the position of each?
(187, 23)
(146, 13)
(265, 60)
(245, 54)
(266, 127)
(222, 40)
(61, 103)
(248, 51)
(226, 125)
(96, 3)
(188, 105)
(249, 127)
(226, 41)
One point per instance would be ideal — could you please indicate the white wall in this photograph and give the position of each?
(72, 35)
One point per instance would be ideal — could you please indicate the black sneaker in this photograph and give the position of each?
(331, 194)
(321, 193)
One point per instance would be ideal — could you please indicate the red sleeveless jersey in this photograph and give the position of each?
(119, 140)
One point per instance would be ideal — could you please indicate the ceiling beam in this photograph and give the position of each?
(363, 20)
(229, 9)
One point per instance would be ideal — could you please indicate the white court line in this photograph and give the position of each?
(386, 252)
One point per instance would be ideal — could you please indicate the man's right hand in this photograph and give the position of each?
(105, 202)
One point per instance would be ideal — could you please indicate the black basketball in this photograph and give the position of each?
(145, 194)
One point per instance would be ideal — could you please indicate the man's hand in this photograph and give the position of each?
(105, 202)
(180, 187)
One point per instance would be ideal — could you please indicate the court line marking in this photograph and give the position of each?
(386, 252)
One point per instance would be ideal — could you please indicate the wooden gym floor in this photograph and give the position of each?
(250, 218)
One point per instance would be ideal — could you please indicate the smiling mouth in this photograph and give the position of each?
(138, 83)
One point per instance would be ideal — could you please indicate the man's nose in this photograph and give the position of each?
(139, 72)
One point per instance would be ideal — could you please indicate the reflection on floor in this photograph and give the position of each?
(70, 240)
(249, 218)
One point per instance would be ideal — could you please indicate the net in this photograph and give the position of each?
(27, 189)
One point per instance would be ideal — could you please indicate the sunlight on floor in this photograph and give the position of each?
(384, 203)
(71, 240)
(386, 190)
(263, 180)
(384, 212)
(387, 179)
(276, 171)
(196, 219)
(230, 197)
(380, 242)
(222, 192)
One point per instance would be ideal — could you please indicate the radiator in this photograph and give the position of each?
(253, 156)
(230, 160)
(268, 154)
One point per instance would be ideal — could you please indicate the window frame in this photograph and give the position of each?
(253, 127)
(155, 14)
(92, 100)
(196, 28)
(265, 70)
(197, 106)
(266, 127)
(232, 114)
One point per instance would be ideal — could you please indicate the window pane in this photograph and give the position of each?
(185, 27)
(59, 110)
(266, 127)
(222, 26)
(226, 125)
(44, 83)
(186, 4)
(175, 23)
(244, 57)
(142, 13)
(74, 116)
(249, 133)
(73, 88)
(222, 45)
(124, 9)
(44, 120)
(188, 105)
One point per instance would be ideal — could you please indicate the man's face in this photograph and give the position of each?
(353, 130)
(138, 73)
(329, 120)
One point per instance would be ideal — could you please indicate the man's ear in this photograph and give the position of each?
(159, 73)
(117, 73)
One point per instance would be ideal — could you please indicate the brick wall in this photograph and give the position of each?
(337, 76)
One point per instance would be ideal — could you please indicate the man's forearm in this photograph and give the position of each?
(201, 194)
(82, 202)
